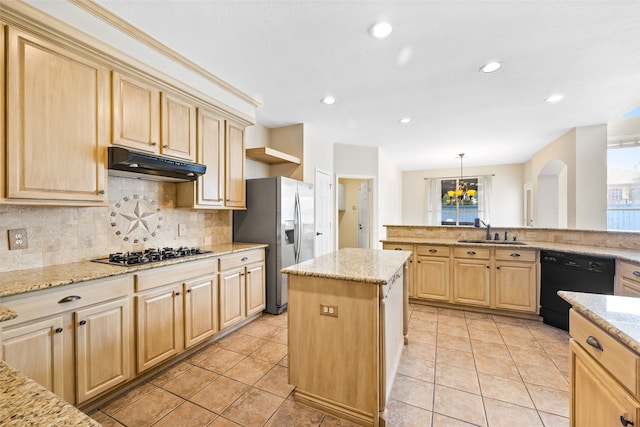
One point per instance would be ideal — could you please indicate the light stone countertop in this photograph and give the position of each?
(23, 402)
(34, 279)
(620, 316)
(622, 254)
(375, 266)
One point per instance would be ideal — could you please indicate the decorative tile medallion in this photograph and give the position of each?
(136, 218)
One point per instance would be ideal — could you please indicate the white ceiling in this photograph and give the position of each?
(288, 54)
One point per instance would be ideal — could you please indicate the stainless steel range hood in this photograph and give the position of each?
(134, 164)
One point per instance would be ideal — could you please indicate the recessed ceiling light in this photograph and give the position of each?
(491, 67)
(380, 30)
(554, 98)
(405, 120)
(328, 100)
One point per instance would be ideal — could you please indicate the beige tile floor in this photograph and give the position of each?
(459, 369)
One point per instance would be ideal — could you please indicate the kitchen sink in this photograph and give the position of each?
(493, 242)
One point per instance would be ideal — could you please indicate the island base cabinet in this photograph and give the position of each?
(597, 400)
(345, 341)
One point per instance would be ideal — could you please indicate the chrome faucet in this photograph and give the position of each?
(488, 236)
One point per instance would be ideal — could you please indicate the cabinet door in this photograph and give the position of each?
(255, 282)
(57, 116)
(597, 399)
(515, 287)
(36, 350)
(433, 278)
(103, 334)
(412, 278)
(628, 279)
(234, 176)
(135, 114)
(471, 282)
(201, 309)
(178, 127)
(232, 297)
(210, 186)
(159, 325)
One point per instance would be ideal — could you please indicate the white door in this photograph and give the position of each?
(363, 215)
(323, 213)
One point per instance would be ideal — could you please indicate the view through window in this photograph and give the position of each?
(459, 201)
(623, 188)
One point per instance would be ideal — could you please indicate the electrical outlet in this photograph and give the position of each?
(329, 310)
(18, 239)
(182, 229)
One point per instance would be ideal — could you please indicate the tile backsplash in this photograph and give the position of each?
(60, 235)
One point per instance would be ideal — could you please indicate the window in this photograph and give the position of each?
(623, 188)
(459, 201)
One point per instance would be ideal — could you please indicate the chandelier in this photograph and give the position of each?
(463, 194)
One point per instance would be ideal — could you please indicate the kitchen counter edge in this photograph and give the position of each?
(621, 254)
(375, 266)
(618, 315)
(34, 279)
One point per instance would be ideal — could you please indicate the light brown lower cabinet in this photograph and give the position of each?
(242, 286)
(515, 283)
(411, 264)
(472, 276)
(628, 279)
(82, 347)
(176, 307)
(604, 382)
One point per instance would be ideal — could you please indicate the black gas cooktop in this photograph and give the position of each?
(149, 255)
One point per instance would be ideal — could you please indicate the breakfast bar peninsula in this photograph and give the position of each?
(347, 327)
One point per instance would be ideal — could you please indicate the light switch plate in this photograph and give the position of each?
(18, 239)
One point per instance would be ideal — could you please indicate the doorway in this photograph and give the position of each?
(354, 212)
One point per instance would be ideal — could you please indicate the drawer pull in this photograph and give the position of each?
(83, 322)
(433, 251)
(177, 294)
(636, 273)
(593, 342)
(471, 252)
(625, 422)
(244, 258)
(70, 298)
(58, 330)
(515, 254)
(397, 249)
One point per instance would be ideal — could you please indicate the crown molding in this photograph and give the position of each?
(116, 21)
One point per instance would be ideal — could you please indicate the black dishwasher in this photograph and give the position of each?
(571, 272)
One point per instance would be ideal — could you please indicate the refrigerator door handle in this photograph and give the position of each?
(298, 230)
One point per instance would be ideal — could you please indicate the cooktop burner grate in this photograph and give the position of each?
(149, 255)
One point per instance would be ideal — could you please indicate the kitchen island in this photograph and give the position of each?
(347, 326)
(604, 359)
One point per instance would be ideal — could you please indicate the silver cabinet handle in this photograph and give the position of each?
(433, 251)
(593, 342)
(244, 259)
(471, 252)
(515, 254)
(70, 298)
(625, 422)
(636, 273)
(58, 330)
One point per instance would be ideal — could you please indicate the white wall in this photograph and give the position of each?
(591, 177)
(256, 136)
(389, 203)
(318, 154)
(507, 200)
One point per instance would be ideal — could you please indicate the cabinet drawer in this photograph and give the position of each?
(475, 253)
(52, 301)
(433, 250)
(397, 247)
(515, 255)
(241, 258)
(630, 271)
(160, 276)
(619, 360)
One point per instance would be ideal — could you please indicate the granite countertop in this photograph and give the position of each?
(21, 281)
(622, 254)
(374, 266)
(23, 402)
(620, 316)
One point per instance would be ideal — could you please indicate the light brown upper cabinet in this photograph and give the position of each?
(56, 123)
(148, 119)
(220, 146)
(235, 157)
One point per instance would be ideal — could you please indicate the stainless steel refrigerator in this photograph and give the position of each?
(280, 213)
